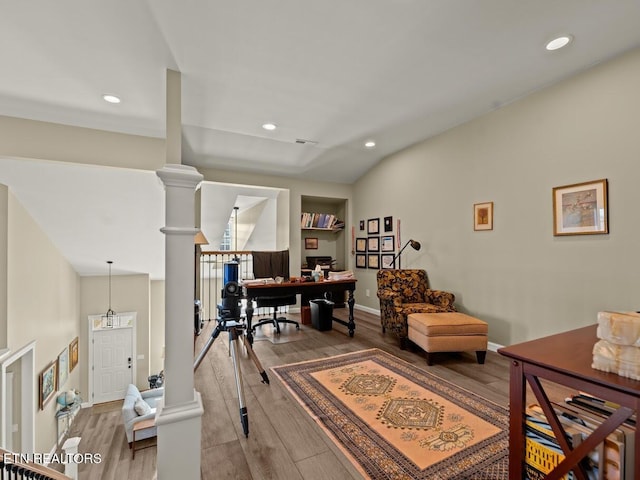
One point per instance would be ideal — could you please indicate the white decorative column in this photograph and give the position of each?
(179, 419)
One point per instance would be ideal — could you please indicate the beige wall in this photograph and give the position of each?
(156, 321)
(4, 232)
(50, 141)
(43, 305)
(129, 293)
(520, 278)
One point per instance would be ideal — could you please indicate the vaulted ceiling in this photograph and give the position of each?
(329, 74)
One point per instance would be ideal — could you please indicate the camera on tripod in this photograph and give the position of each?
(229, 308)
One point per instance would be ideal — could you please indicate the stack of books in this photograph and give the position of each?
(579, 416)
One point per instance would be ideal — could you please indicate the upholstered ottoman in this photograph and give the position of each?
(448, 332)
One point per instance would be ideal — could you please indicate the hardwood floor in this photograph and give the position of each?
(284, 442)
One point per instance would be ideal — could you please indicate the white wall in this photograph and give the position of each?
(296, 190)
(520, 278)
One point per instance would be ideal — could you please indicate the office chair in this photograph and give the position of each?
(272, 265)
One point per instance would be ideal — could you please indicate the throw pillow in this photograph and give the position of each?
(141, 407)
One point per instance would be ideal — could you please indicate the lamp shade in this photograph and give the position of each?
(200, 239)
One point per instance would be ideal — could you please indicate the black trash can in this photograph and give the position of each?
(321, 314)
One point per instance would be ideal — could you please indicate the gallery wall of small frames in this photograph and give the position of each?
(378, 248)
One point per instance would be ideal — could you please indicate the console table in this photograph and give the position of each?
(308, 291)
(564, 359)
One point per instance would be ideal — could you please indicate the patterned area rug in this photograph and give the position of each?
(395, 421)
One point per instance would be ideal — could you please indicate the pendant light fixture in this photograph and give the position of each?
(110, 319)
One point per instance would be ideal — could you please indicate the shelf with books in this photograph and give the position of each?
(321, 221)
(537, 364)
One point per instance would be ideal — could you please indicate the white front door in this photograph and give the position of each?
(113, 363)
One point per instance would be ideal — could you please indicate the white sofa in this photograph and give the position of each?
(130, 416)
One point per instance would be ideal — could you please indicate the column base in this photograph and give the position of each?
(179, 439)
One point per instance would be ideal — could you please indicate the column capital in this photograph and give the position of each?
(177, 175)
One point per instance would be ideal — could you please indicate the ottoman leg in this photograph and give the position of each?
(429, 357)
(481, 355)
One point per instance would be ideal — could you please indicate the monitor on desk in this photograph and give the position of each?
(323, 261)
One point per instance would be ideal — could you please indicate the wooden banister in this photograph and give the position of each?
(12, 462)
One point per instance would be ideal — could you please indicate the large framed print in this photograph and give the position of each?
(373, 261)
(47, 383)
(361, 244)
(361, 260)
(580, 209)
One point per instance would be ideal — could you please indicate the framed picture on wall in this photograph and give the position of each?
(63, 367)
(386, 260)
(373, 244)
(581, 209)
(361, 224)
(387, 243)
(73, 354)
(311, 243)
(483, 216)
(361, 244)
(388, 224)
(361, 260)
(373, 226)
(47, 384)
(373, 261)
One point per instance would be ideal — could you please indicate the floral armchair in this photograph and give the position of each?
(405, 291)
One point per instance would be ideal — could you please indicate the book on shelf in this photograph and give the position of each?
(543, 451)
(621, 439)
(326, 221)
(608, 457)
(599, 405)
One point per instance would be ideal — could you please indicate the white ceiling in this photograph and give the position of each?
(336, 72)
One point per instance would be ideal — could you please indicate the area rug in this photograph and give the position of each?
(395, 421)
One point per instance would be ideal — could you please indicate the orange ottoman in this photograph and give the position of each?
(448, 332)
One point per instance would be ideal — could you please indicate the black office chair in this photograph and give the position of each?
(272, 265)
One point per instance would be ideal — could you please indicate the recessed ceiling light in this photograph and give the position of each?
(111, 98)
(269, 126)
(558, 43)
(370, 144)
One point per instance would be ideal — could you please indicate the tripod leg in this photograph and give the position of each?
(234, 344)
(254, 357)
(207, 346)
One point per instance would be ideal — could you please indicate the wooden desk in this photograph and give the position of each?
(308, 291)
(564, 359)
(143, 425)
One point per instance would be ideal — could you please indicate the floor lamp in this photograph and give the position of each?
(414, 244)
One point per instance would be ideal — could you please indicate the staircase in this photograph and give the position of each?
(20, 466)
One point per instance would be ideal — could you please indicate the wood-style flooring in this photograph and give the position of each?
(284, 443)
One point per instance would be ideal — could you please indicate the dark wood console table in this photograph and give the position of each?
(565, 359)
(308, 291)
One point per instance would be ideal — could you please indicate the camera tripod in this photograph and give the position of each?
(235, 328)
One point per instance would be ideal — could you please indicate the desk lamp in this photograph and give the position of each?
(414, 244)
